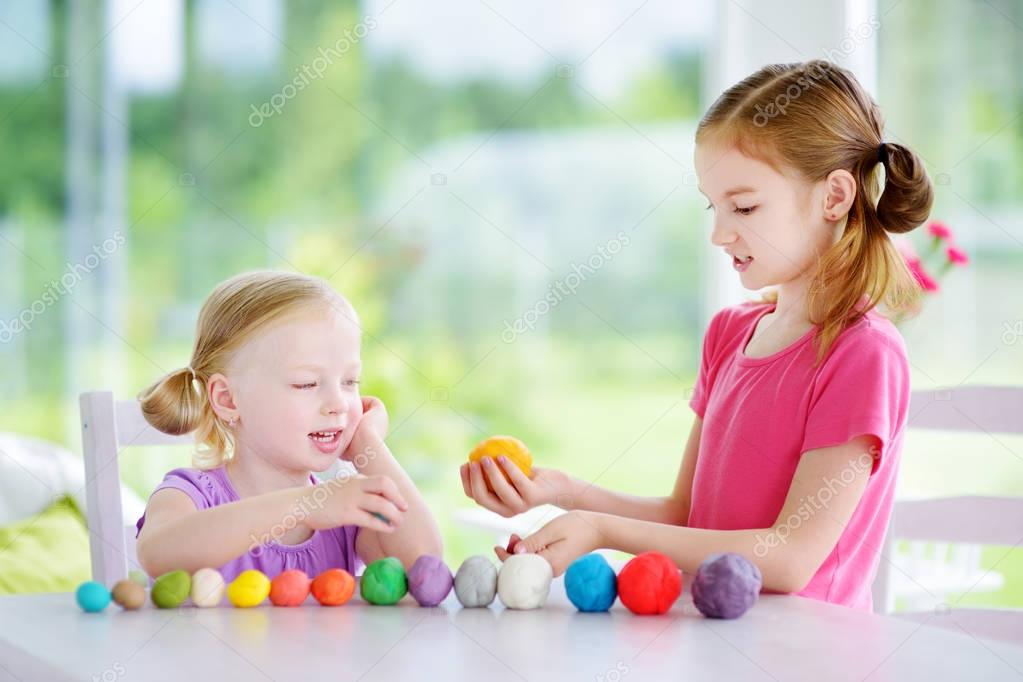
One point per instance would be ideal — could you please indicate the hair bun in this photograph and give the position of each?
(908, 193)
(172, 405)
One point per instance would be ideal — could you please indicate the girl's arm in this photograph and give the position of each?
(178, 536)
(550, 486)
(418, 533)
(788, 553)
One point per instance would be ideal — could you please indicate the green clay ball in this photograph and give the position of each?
(384, 582)
(171, 589)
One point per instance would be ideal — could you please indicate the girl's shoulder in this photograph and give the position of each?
(206, 487)
(872, 334)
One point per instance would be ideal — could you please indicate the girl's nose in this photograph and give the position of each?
(334, 404)
(721, 235)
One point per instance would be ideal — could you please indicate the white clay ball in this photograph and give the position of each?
(207, 587)
(524, 581)
(476, 582)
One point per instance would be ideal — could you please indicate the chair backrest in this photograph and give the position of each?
(108, 426)
(982, 520)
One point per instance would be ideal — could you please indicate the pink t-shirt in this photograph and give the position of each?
(759, 416)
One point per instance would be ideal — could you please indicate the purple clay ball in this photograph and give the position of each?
(726, 586)
(429, 580)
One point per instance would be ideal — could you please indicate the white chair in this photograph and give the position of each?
(107, 428)
(968, 521)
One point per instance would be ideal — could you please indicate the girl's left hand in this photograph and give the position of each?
(373, 424)
(561, 541)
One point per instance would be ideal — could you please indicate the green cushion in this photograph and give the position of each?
(48, 552)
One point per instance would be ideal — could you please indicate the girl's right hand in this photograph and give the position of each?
(545, 486)
(357, 501)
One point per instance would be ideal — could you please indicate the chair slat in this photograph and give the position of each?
(966, 519)
(991, 409)
(103, 488)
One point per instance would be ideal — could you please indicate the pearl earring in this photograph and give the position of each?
(231, 422)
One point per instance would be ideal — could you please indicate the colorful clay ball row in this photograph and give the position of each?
(725, 586)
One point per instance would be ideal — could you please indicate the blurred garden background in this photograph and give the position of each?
(445, 165)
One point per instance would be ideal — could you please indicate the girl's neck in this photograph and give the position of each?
(251, 474)
(791, 304)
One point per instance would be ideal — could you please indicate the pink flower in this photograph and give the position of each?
(926, 282)
(939, 230)
(956, 256)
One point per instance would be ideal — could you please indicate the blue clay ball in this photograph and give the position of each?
(726, 586)
(92, 596)
(591, 583)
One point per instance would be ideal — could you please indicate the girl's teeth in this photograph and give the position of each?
(323, 437)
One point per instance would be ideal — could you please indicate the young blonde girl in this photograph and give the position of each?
(272, 395)
(801, 398)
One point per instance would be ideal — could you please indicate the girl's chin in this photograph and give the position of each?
(751, 283)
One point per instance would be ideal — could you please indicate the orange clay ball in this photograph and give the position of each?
(333, 587)
(289, 588)
(512, 448)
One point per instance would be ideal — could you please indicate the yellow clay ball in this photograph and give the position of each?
(509, 446)
(250, 588)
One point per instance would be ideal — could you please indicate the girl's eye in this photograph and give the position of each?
(745, 211)
(309, 385)
(709, 206)
(352, 382)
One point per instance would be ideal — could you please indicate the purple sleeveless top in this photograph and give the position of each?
(332, 548)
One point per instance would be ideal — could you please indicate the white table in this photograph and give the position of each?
(44, 637)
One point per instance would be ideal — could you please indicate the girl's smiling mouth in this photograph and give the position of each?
(741, 263)
(326, 441)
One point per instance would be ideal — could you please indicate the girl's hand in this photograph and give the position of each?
(546, 486)
(372, 425)
(357, 501)
(561, 541)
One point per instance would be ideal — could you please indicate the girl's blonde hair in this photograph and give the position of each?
(815, 117)
(236, 311)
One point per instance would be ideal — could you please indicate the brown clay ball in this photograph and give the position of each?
(129, 595)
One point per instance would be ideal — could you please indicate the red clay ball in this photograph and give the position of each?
(333, 587)
(290, 588)
(649, 584)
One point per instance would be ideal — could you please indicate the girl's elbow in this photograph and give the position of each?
(153, 561)
(788, 576)
(676, 512)
(147, 559)
(434, 546)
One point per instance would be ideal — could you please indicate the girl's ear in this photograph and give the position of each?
(840, 192)
(221, 400)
